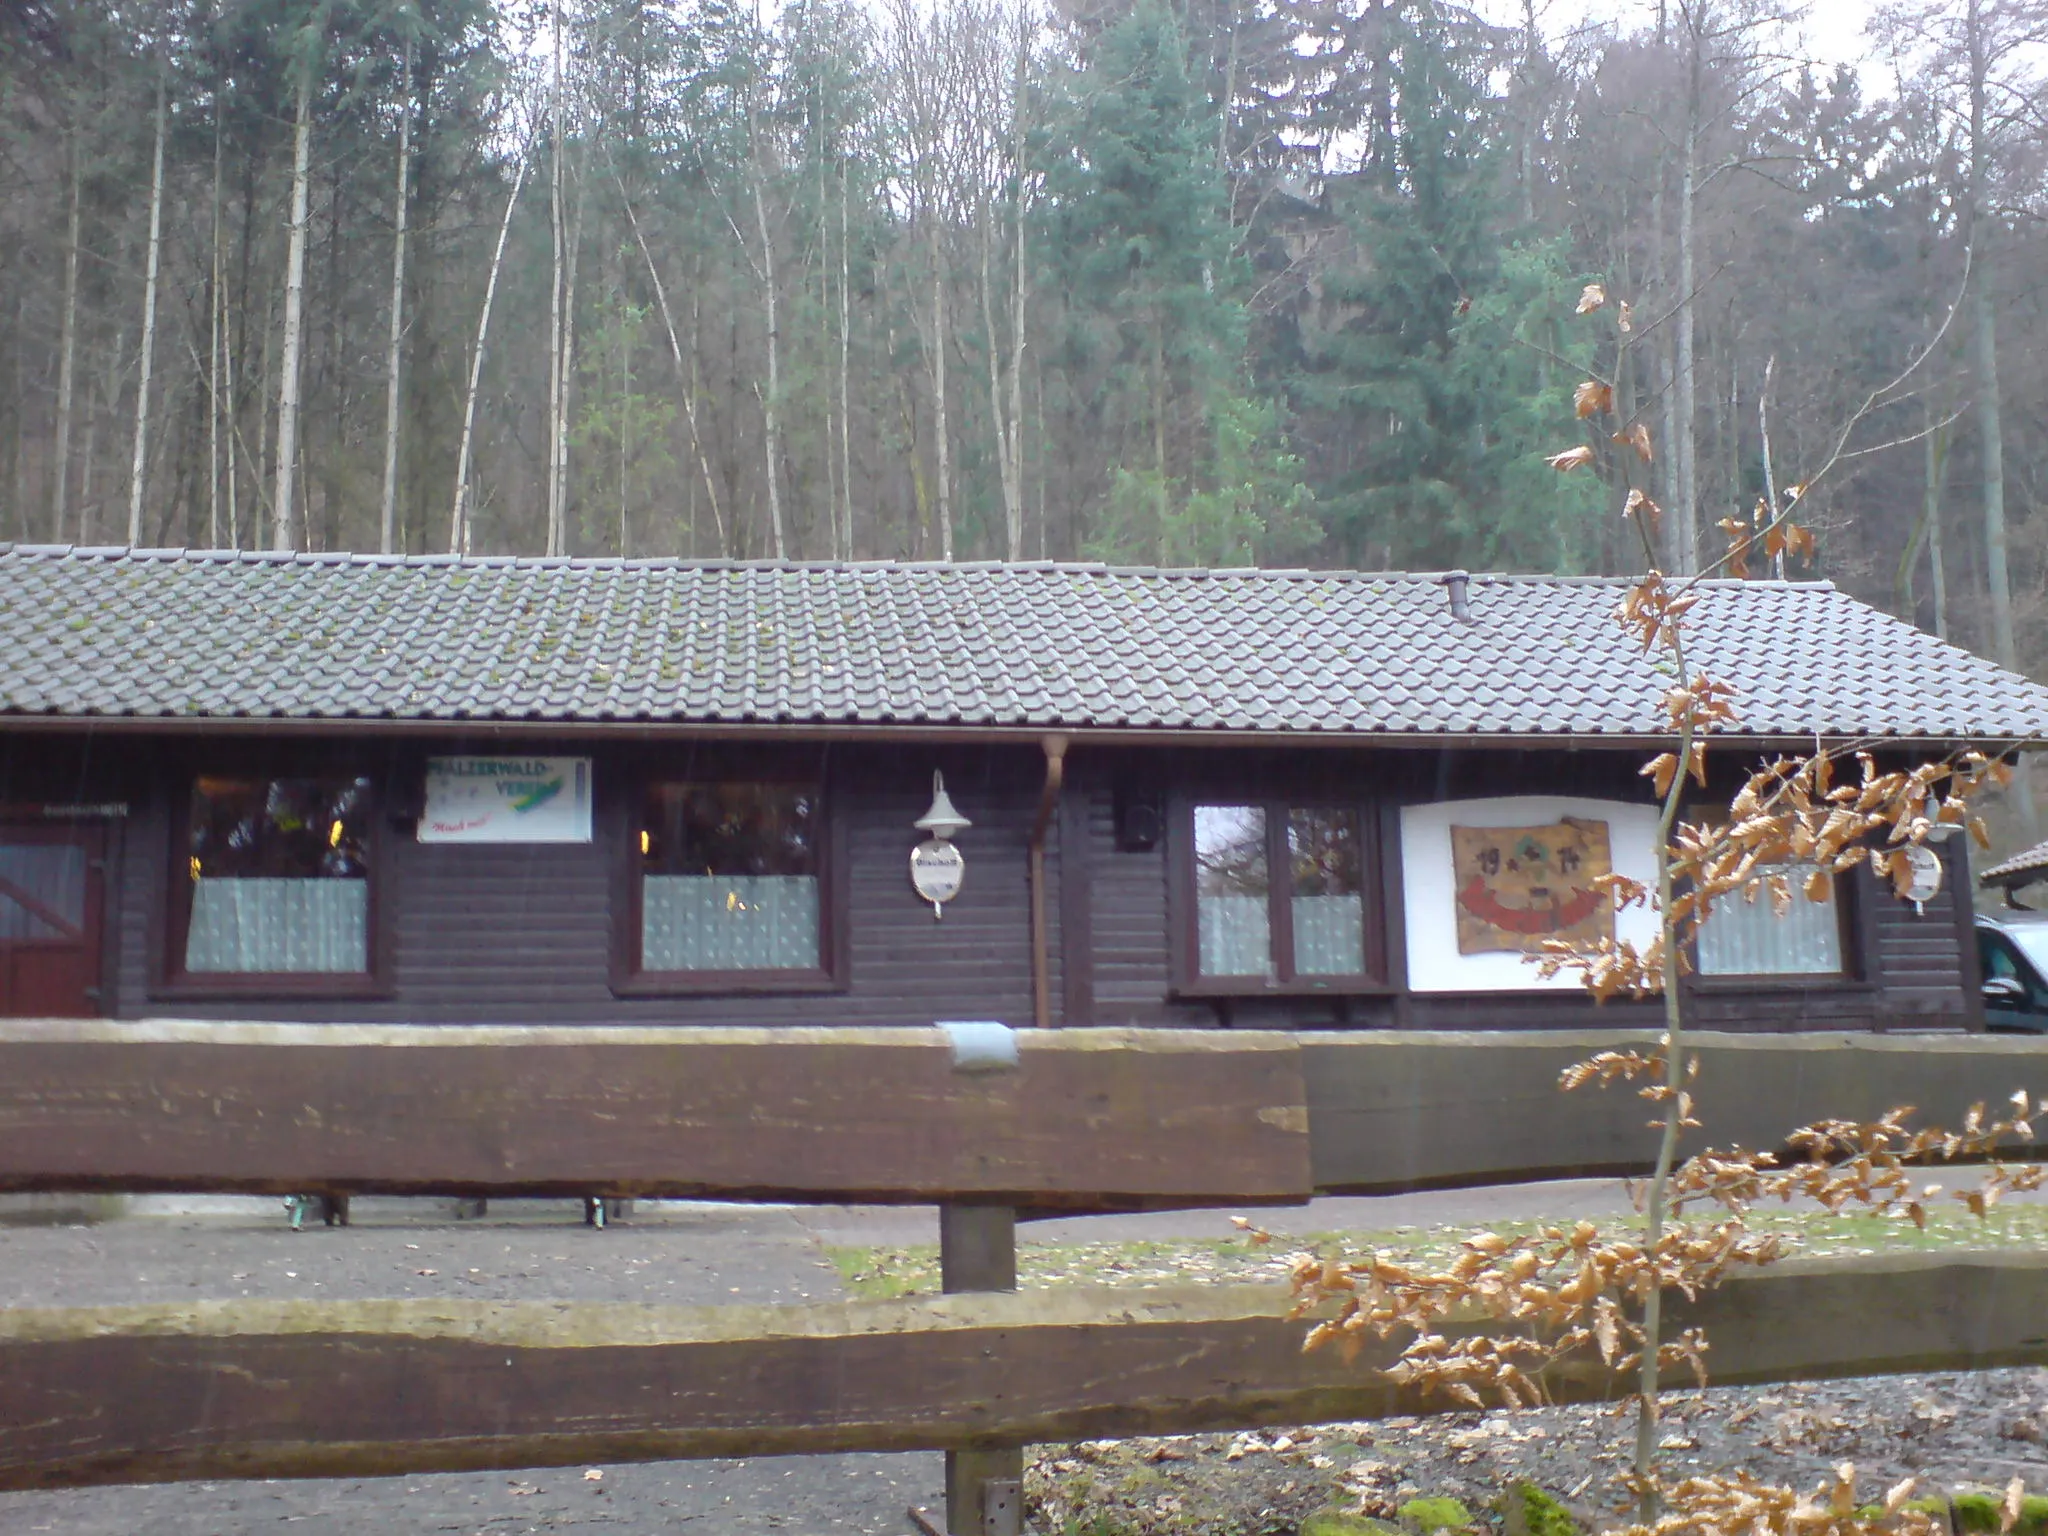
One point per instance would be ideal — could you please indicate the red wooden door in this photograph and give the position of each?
(51, 901)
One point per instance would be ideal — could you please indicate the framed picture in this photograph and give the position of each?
(1518, 886)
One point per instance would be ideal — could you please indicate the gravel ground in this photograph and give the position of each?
(534, 1251)
(1954, 1429)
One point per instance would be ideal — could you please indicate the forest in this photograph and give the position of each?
(1181, 282)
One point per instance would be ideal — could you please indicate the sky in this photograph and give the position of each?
(1830, 32)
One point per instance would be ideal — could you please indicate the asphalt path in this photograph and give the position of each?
(539, 1251)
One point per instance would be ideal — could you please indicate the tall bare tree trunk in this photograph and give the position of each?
(770, 402)
(265, 446)
(941, 436)
(1684, 474)
(458, 517)
(845, 392)
(1012, 523)
(1934, 456)
(1990, 411)
(67, 349)
(387, 540)
(557, 383)
(829, 446)
(1990, 416)
(281, 511)
(561, 433)
(1763, 429)
(148, 359)
(1525, 150)
(1019, 290)
(685, 376)
(625, 424)
(215, 313)
(99, 402)
(234, 432)
(1161, 493)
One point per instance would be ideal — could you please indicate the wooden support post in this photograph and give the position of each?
(977, 1247)
(978, 1252)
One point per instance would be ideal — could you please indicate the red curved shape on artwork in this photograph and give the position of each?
(1478, 899)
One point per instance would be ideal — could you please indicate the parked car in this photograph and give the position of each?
(2012, 950)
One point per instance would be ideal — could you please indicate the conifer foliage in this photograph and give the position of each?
(1193, 281)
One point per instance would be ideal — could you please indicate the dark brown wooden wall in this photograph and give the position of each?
(1918, 969)
(520, 934)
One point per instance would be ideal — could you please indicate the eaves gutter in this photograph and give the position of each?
(956, 733)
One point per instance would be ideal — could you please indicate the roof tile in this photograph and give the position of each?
(167, 633)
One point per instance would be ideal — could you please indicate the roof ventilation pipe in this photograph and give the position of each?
(1459, 585)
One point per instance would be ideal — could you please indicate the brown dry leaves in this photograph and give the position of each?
(1790, 830)
(1738, 1505)
(1569, 1297)
(1776, 534)
(1564, 1291)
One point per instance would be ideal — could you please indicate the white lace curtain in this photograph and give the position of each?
(729, 923)
(269, 925)
(1329, 935)
(1749, 938)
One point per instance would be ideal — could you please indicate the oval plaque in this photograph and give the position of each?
(936, 870)
(1926, 866)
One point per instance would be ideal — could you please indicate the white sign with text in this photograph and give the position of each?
(507, 800)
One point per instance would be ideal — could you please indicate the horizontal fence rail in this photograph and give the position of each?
(983, 1121)
(1089, 1120)
(1086, 1119)
(1392, 1111)
(349, 1389)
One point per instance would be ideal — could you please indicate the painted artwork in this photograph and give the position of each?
(1518, 886)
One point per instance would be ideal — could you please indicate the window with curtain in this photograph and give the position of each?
(730, 878)
(1279, 894)
(279, 878)
(1751, 938)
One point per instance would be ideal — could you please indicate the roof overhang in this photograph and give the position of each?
(961, 732)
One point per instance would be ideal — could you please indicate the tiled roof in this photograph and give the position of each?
(2021, 869)
(178, 635)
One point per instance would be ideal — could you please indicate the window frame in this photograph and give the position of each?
(621, 827)
(1851, 942)
(1183, 911)
(172, 929)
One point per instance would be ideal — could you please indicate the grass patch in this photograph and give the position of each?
(886, 1273)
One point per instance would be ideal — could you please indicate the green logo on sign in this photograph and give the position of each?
(540, 795)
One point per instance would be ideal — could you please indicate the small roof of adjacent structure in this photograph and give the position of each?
(229, 639)
(2024, 868)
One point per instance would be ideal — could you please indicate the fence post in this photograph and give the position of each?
(978, 1252)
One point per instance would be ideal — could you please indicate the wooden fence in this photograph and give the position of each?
(1082, 1120)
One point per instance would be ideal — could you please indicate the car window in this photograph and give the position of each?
(1997, 957)
(2033, 943)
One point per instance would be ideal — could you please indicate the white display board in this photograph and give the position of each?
(507, 800)
(1429, 892)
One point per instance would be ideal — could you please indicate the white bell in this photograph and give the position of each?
(942, 820)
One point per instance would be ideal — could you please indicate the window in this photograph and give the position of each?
(1752, 938)
(276, 880)
(42, 892)
(1308, 928)
(729, 883)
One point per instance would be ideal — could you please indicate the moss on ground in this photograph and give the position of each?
(886, 1273)
(1526, 1510)
(1426, 1515)
(1984, 1514)
(1337, 1521)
